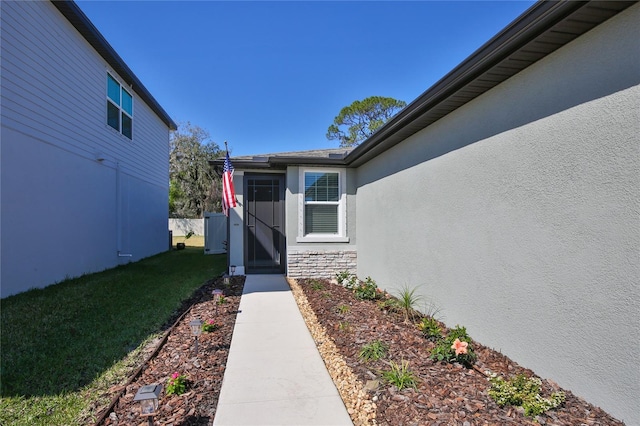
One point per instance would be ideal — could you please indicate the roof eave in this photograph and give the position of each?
(85, 27)
(419, 114)
(280, 163)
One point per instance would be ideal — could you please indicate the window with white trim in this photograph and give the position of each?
(322, 212)
(119, 107)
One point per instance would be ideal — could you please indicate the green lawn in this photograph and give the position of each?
(63, 346)
(193, 241)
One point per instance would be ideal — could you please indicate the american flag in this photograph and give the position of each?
(228, 193)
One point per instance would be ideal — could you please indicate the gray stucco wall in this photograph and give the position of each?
(518, 216)
(311, 259)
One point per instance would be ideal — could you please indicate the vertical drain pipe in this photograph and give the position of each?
(119, 212)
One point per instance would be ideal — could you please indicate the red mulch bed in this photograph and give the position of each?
(447, 394)
(204, 371)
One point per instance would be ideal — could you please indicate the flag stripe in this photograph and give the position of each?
(228, 192)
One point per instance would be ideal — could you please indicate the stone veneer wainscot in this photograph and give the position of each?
(321, 264)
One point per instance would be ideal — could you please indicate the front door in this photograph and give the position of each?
(264, 224)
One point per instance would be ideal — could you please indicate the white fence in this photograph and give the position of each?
(215, 233)
(180, 227)
(213, 226)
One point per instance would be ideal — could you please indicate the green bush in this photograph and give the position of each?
(430, 328)
(347, 280)
(317, 285)
(343, 309)
(177, 384)
(373, 351)
(391, 304)
(400, 376)
(366, 290)
(525, 392)
(445, 350)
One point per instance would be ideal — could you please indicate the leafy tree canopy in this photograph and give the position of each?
(361, 119)
(194, 187)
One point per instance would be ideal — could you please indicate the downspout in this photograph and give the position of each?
(119, 214)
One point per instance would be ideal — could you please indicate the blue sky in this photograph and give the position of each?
(271, 76)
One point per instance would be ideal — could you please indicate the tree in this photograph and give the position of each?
(362, 118)
(194, 187)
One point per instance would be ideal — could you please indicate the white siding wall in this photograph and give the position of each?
(518, 215)
(64, 213)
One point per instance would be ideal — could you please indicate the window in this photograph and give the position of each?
(322, 206)
(119, 107)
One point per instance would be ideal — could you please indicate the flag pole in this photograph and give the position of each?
(228, 198)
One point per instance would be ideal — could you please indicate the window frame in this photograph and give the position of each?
(119, 106)
(341, 235)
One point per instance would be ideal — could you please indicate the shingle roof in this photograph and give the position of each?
(333, 156)
(542, 29)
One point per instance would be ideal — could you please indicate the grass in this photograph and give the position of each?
(317, 285)
(65, 345)
(373, 351)
(400, 376)
(192, 241)
(343, 309)
(344, 326)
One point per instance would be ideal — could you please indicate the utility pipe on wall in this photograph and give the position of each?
(119, 213)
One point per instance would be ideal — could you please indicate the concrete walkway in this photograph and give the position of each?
(274, 373)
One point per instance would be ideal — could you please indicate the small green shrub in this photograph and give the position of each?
(400, 376)
(317, 285)
(177, 384)
(459, 333)
(209, 326)
(455, 347)
(391, 304)
(344, 326)
(430, 328)
(366, 290)
(347, 280)
(373, 351)
(343, 309)
(525, 392)
(342, 276)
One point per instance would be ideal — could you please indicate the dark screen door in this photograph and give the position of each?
(264, 224)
